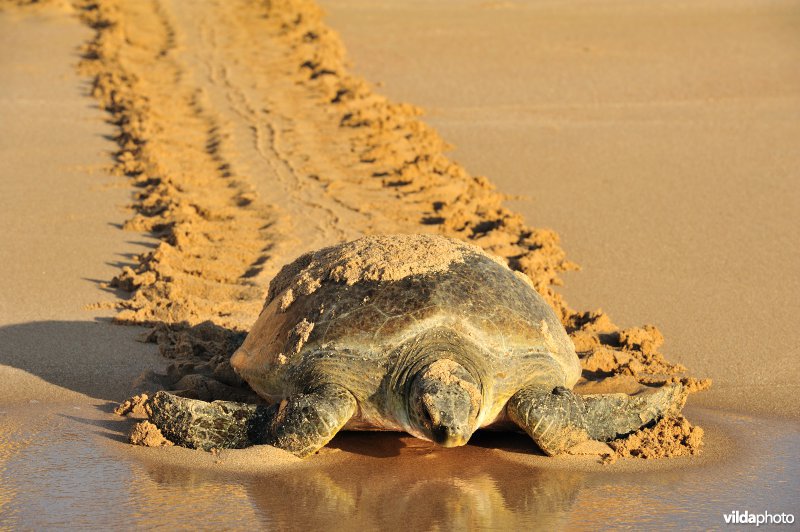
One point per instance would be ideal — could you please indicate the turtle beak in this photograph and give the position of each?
(448, 436)
(446, 430)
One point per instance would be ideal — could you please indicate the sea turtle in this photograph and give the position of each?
(415, 333)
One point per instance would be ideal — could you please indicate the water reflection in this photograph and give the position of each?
(62, 467)
(410, 482)
(386, 480)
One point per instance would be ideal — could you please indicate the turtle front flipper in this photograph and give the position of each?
(301, 425)
(304, 423)
(203, 425)
(558, 419)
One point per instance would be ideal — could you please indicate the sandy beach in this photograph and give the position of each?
(162, 160)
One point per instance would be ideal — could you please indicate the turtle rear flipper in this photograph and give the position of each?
(558, 419)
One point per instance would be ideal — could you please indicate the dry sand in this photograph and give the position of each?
(234, 174)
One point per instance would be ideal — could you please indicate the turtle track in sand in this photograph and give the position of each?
(248, 142)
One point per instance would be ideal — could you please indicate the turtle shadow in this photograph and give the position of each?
(94, 358)
(369, 443)
(511, 442)
(378, 444)
(116, 429)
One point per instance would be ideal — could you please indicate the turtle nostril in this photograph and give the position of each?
(441, 434)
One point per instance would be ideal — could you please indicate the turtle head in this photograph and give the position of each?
(443, 403)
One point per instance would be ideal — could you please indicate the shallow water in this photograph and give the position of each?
(66, 466)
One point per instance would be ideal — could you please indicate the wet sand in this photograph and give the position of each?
(73, 363)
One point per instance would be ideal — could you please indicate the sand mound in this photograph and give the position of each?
(339, 151)
(146, 434)
(371, 258)
(135, 406)
(667, 438)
